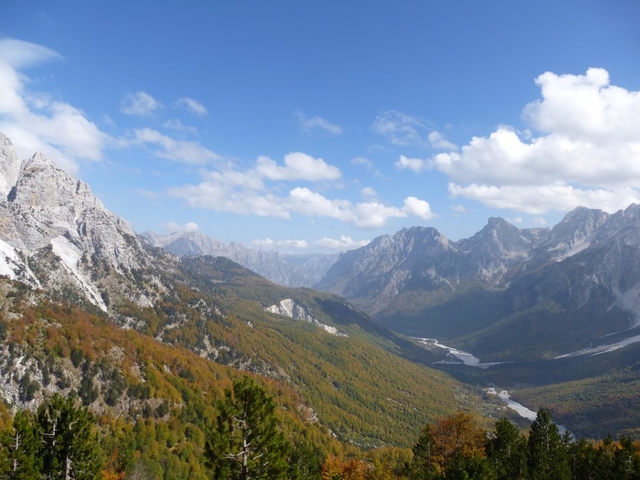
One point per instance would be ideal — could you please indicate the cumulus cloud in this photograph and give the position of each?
(192, 106)
(307, 124)
(177, 150)
(33, 120)
(417, 208)
(583, 149)
(139, 104)
(415, 164)
(343, 243)
(246, 193)
(297, 166)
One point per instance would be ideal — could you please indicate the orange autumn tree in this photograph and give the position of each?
(453, 437)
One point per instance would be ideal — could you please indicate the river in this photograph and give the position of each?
(456, 357)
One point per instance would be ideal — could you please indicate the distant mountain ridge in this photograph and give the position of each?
(582, 278)
(285, 269)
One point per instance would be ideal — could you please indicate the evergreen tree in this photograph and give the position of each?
(584, 460)
(68, 440)
(548, 452)
(21, 445)
(627, 461)
(423, 466)
(246, 442)
(507, 451)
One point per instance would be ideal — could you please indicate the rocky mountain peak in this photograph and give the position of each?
(573, 233)
(9, 166)
(50, 216)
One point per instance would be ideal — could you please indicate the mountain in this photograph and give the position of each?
(505, 293)
(421, 259)
(71, 272)
(284, 269)
(58, 236)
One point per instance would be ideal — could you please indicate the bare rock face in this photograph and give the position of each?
(55, 232)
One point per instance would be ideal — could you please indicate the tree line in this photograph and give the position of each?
(246, 441)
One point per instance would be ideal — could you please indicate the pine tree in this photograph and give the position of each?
(246, 442)
(548, 452)
(21, 445)
(68, 449)
(507, 451)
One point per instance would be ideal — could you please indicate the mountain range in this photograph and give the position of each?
(285, 269)
(505, 293)
(538, 306)
(65, 257)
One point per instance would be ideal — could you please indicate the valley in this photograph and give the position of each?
(91, 310)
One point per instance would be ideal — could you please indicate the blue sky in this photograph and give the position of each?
(317, 126)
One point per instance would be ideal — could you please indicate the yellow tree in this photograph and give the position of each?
(453, 437)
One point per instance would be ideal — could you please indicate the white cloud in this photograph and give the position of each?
(368, 164)
(177, 150)
(19, 54)
(516, 220)
(139, 104)
(188, 227)
(586, 151)
(539, 199)
(343, 243)
(362, 161)
(458, 208)
(368, 192)
(298, 166)
(245, 193)
(192, 106)
(178, 126)
(318, 122)
(34, 121)
(417, 208)
(404, 130)
(264, 243)
(401, 129)
(268, 243)
(437, 140)
(540, 221)
(415, 164)
(294, 243)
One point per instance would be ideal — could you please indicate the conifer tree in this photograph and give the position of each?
(246, 442)
(548, 452)
(68, 448)
(20, 445)
(507, 451)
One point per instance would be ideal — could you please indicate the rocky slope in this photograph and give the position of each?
(284, 269)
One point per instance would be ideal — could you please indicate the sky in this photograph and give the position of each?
(307, 126)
